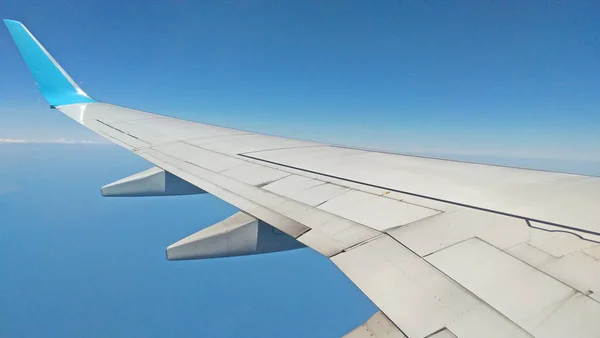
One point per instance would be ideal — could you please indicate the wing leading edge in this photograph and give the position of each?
(442, 248)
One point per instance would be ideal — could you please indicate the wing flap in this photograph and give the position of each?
(493, 275)
(415, 295)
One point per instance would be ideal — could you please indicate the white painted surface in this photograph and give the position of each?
(377, 212)
(336, 233)
(285, 224)
(581, 234)
(130, 142)
(254, 174)
(184, 130)
(486, 322)
(593, 251)
(151, 182)
(435, 233)
(577, 317)
(530, 254)
(150, 136)
(305, 190)
(412, 293)
(423, 202)
(234, 236)
(200, 157)
(553, 197)
(520, 292)
(558, 244)
(248, 143)
(579, 270)
(377, 326)
(445, 333)
(238, 235)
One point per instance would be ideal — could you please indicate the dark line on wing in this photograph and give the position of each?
(560, 231)
(283, 148)
(424, 196)
(124, 133)
(108, 125)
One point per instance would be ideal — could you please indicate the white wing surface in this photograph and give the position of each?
(443, 248)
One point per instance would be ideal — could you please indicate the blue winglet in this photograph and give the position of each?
(54, 83)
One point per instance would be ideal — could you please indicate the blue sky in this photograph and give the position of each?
(508, 82)
(507, 78)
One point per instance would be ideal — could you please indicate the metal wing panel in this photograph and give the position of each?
(249, 142)
(199, 156)
(528, 274)
(563, 199)
(519, 291)
(340, 219)
(378, 326)
(578, 317)
(430, 235)
(377, 212)
(220, 190)
(255, 174)
(306, 190)
(415, 295)
(335, 233)
(519, 192)
(418, 297)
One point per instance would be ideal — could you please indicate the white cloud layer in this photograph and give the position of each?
(58, 141)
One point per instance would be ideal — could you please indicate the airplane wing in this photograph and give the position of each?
(443, 248)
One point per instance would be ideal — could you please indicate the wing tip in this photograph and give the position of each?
(8, 22)
(55, 84)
